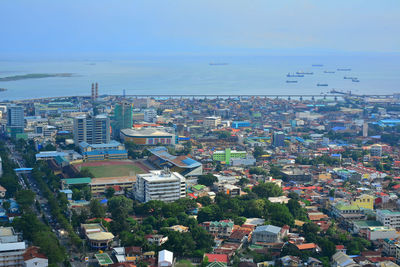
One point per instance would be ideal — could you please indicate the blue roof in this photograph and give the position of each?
(23, 169)
(97, 152)
(338, 128)
(181, 161)
(336, 155)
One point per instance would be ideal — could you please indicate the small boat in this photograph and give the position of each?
(288, 81)
(317, 65)
(355, 80)
(343, 69)
(3, 89)
(217, 64)
(294, 75)
(304, 73)
(322, 84)
(327, 71)
(349, 78)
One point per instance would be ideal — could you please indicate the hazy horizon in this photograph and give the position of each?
(104, 29)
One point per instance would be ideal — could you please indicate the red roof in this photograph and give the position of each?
(32, 253)
(217, 257)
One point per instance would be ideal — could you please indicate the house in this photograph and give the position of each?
(268, 234)
(364, 201)
(33, 258)
(156, 239)
(222, 228)
(97, 235)
(339, 259)
(165, 258)
(223, 258)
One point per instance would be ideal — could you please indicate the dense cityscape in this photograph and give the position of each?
(184, 181)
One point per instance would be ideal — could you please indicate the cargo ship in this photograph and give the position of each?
(294, 75)
(317, 65)
(322, 84)
(304, 73)
(349, 78)
(3, 89)
(288, 81)
(327, 71)
(217, 64)
(355, 80)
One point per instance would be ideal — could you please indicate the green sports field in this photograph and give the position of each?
(113, 170)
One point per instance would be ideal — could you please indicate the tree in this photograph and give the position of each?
(96, 209)
(218, 168)
(25, 198)
(258, 152)
(6, 205)
(265, 190)
(110, 191)
(207, 179)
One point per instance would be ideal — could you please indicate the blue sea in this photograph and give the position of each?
(194, 75)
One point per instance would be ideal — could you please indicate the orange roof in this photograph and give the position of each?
(32, 253)
(306, 246)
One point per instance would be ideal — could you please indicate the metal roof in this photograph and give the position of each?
(181, 161)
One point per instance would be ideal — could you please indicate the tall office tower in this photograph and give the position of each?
(123, 117)
(15, 120)
(150, 115)
(95, 91)
(92, 95)
(92, 129)
(278, 139)
(365, 129)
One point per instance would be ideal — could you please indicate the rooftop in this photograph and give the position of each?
(268, 228)
(180, 161)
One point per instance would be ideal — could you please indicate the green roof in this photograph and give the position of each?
(73, 181)
(390, 212)
(346, 207)
(198, 186)
(103, 259)
(216, 264)
(222, 224)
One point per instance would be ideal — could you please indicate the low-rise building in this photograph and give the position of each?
(381, 232)
(97, 235)
(268, 234)
(388, 218)
(225, 156)
(110, 151)
(33, 258)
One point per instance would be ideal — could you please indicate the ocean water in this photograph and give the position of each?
(378, 74)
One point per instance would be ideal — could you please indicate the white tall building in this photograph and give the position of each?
(211, 122)
(160, 185)
(150, 115)
(11, 251)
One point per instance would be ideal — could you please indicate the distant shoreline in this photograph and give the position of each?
(34, 76)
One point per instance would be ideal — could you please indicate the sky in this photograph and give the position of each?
(84, 27)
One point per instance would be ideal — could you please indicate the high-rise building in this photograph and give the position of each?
(92, 129)
(365, 129)
(15, 120)
(123, 117)
(160, 185)
(150, 115)
(278, 139)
